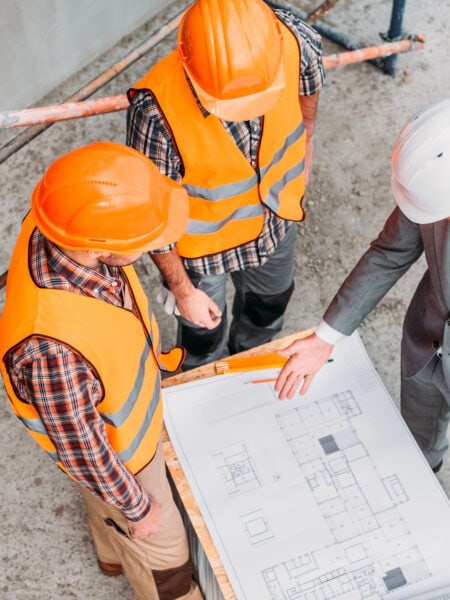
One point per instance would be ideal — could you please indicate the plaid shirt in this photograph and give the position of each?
(148, 133)
(64, 390)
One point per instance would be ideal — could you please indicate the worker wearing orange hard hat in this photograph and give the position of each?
(81, 357)
(230, 115)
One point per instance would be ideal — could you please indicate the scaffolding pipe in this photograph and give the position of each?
(81, 109)
(395, 32)
(93, 86)
(373, 52)
(87, 108)
(344, 40)
(62, 112)
(320, 11)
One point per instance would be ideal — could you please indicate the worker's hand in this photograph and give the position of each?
(199, 308)
(306, 357)
(193, 304)
(167, 299)
(150, 525)
(196, 306)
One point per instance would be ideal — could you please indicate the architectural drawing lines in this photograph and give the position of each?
(236, 469)
(376, 539)
(322, 497)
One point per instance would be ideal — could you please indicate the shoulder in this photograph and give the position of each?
(145, 120)
(36, 349)
(310, 44)
(304, 33)
(143, 103)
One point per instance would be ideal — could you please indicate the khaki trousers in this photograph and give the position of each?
(158, 567)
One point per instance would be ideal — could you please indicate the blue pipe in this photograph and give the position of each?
(386, 64)
(395, 33)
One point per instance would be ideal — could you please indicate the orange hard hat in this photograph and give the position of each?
(108, 197)
(232, 51)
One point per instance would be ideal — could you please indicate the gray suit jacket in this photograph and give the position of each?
(427, 320)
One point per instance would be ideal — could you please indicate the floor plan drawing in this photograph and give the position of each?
(256, 526)
(322, 497)
(331, 456)
(236, 469)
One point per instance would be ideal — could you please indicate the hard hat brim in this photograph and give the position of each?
(415, 214)
(242, 108)
(87, 213)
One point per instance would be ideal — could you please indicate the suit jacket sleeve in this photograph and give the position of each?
(397, 247)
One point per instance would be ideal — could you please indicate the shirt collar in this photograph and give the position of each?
(90, 281)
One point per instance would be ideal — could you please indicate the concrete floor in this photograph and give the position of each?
(45, 549)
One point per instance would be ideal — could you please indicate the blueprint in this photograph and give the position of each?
(322, 497)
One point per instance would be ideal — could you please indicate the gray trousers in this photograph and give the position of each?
(425, 406)
(260, 301)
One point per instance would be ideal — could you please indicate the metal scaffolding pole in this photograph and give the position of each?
(74, 107)
(383, 56)
(76, 110)
(385, 64)
(394, 33)
(93, 86)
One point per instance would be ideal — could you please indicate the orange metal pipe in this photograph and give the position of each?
(135, 55)
(320, 11)
(87, 108)
(77, 106)
(62, 112)
(372, 52)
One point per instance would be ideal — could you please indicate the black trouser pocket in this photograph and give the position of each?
(263, 310)
(201, 341)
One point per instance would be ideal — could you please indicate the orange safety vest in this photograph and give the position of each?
(226, 193)
(121, 348)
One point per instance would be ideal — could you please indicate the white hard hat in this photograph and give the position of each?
(420, 179)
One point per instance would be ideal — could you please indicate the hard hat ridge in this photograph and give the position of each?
(232, 51)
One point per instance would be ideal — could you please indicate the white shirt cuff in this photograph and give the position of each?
(328, 334)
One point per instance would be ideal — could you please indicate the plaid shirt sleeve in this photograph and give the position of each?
(65, 393)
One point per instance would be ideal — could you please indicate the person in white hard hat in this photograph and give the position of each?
(419, 224)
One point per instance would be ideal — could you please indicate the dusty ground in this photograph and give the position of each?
(45, 548)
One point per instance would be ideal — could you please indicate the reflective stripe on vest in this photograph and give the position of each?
(272, 199)
(227, 190)
(220, 181)
(121, 348)
(202, 227)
